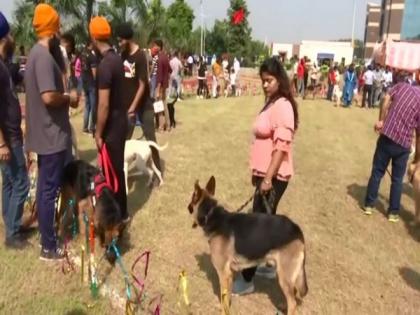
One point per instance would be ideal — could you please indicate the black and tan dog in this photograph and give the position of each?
(239, 241)
(83, 185)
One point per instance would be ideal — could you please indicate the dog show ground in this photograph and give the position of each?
(355, 264)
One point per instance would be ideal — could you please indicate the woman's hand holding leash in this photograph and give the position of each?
(265, 186)
(99, 141)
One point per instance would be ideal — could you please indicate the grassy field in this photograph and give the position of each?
(355, 264)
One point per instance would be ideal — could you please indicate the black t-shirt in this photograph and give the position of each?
(111, 76)
(89, 61)
(10, 113)
(135, 69)
(202, 70)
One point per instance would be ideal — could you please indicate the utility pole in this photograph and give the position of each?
(354, 23)
(202, 28)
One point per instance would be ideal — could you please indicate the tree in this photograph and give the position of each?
(217, 38)
(22, 26)
(120, 11)
(75, 17)
(238, 35)
(179, 19)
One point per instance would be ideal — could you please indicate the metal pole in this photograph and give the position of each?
(354, 23)
(202, 34)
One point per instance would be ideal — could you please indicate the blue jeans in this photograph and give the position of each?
(153, 85)
(15, 190)
(301, 87)
(89, 119)
(50, 169)
(387, 150)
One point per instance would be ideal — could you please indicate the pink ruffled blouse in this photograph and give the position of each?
(273, 130)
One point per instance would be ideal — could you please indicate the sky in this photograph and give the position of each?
(281, 21)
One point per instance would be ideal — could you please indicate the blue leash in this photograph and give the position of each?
(113, 246)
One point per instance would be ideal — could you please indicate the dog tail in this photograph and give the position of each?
(301, 283)
(156, 146)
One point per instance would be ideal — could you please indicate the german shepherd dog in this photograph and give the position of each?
(92, 198)
(239, 241)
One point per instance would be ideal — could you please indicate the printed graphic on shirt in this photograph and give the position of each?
(129, 69)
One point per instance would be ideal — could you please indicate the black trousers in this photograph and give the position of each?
(260, 206)
(367, 89)
(147, 119)
(116, 154)
(200, 90)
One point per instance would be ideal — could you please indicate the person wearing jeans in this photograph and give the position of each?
(271, 154)
(12, 160)
(89, 65)
(89, 115)
(47, 121)
(399, 118)
(137, 88)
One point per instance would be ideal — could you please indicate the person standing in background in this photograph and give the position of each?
(202, 70)
(175, 78)
(368, 78)
(162, 83)
(350, 83)
(217, 72)
(300, 78)
(89, 65)
(137, 89)
(15, 180)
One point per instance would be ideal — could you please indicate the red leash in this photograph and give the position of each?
(105, 164)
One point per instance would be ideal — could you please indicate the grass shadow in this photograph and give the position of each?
(274, 293)
(272, 289)
(205, 264)
(76, 311)
(358, 193)
(411, 277)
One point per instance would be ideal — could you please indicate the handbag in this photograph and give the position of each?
(158, 107)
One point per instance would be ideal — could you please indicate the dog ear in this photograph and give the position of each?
(197, 186)
(211, 186)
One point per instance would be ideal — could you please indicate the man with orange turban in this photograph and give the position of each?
(47, 121)
(111, 123)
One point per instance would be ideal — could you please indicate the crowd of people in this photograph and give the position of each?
(120, 90)
(355, 84)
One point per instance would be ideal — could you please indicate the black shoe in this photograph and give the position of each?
(51, 255)
(16, 242)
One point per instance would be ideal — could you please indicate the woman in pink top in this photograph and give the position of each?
(271, 153)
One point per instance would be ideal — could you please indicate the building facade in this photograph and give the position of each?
(399, 20)
(372, 27)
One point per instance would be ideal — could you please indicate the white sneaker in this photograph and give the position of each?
(242, 287)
